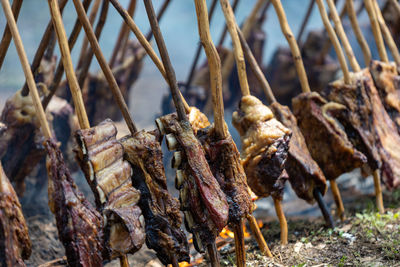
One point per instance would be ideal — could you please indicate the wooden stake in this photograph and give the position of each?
(338, 199)
(305, 21)
(67, 62)
(335, 41)
(122, 34)
(251, 60)
(112, 83)
(262, 245)
(298, 61)
(170, 73)
(225, 31)
(342, 35)
(214, 64)
(387, 35)
(213, 254)
(6, 39)
(237, 48)
(87, 59)
(198, 51)
(324, 209)
(27, 69)
(358, 33)
(249, 23)
(378, 191)
(240, 249)
(84, 48)
(282, 221)
(376, 30)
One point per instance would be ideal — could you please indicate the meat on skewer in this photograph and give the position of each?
(100, 156)
(15, 245)
(160, 210)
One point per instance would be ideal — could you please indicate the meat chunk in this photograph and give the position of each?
(304, 173)
(224, 160)
(202, 200)
(387, 81)
(326, 140)
(15, 245)
(160, 209)
(80, 226)
(100, 156)
(379, 139)
(265, 144)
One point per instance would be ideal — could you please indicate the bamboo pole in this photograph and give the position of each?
(305, 21)
(251, 60)
(87, 59)
(237, 48)
(225, 30)
(376, 30)
(44, 43)
(214, 64)
(198, 51)
(335, 41)
(387, 35)
(342, 35)
(170, 73)
(122, 34)
(67, 62)
(357, 31)
(104, 66)
(282, 221)
(6, 39)
(338, 199)
(27, 69)
(298, 61)
(92, 17)
(378, 191)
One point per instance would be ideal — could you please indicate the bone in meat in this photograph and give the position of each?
(265, 144)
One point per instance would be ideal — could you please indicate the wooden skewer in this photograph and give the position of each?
(67, 62)
(259, 237)
(378, 191)
(240, 249)
(335, 41)
(198, 51)
(237, 48)
(123, 260)
(104, 66)
(387, 35)
(169, 71)
(27, 69)
(342, 35)
(298, 61)
(282, 221)
(213, 254)
(338, 199)
(225, 31)
(122, 34)
(60, 67)
(44, 43)
(161, 12)
(323, 207)
(376, 30)
(82, 73)
(84, 48)
(396, 6)
(305, 21)
(357, 31)
(6, 39)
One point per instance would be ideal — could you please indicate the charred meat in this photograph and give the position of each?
(15, 245)
(100, 156)
(160, 209)
(265, 144)
(304, 173)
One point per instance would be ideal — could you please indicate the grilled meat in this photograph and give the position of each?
(202, 200)
(160, 209)
(80, 226)
(377, 133)
(304, 173)
(265, 144)
(100, 156)
(326, 140)
(387, 81)
(15, 245)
